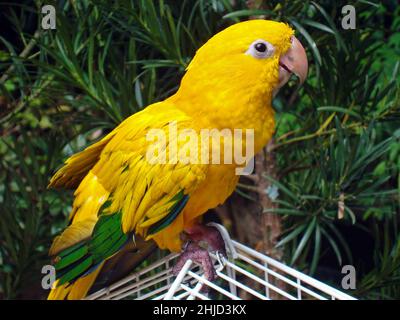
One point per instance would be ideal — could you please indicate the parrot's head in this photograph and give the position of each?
(248, 60)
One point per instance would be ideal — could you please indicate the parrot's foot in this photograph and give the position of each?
(199, 255)
(200, 240)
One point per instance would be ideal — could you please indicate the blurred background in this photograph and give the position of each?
(325, 192)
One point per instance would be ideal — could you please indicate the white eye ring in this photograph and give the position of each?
(261, 49)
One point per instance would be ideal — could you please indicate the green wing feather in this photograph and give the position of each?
(106, 240)
(179, 201)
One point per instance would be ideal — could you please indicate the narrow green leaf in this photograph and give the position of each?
(304, 240)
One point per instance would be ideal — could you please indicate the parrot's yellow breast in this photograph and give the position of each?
(221, 179)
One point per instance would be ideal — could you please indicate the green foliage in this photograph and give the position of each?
(337, 141)
(30, 215)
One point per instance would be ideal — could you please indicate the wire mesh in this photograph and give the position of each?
(248, 275)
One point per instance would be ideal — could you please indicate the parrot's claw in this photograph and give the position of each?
(199, 255)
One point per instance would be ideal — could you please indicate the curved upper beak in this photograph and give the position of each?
(293, 61)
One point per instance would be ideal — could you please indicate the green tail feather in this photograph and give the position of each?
(80, 259)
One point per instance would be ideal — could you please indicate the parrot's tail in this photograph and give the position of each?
(75, 291)
(89, 197)
(71, 235)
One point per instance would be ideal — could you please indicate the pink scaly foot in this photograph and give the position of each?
(201, 239)
(199, 255)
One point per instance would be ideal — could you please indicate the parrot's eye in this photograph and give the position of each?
(261, 49)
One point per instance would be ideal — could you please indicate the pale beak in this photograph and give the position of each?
(293, 61)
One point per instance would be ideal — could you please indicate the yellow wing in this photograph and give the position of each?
(145, 167)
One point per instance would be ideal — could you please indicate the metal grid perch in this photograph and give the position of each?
(248, 274)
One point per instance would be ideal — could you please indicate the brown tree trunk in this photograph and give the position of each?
(265, 164)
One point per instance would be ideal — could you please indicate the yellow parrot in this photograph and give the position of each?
(121, 192)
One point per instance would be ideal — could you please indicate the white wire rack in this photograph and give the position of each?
(247, 275)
